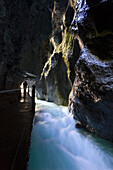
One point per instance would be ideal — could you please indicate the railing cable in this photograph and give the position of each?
(7, 91)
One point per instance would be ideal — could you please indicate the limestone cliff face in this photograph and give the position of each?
(35, 37)
(91, 101)
(58, 72)
(24, 34)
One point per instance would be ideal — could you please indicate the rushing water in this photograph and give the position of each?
(57, 145)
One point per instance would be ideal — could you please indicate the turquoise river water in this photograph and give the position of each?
(57, 145)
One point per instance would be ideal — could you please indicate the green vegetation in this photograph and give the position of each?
(66, 47)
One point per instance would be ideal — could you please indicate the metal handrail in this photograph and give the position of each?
(12, 90)
(7, 91)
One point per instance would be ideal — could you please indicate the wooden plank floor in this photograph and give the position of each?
(15, 131)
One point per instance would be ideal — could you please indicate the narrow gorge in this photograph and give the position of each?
(67, 45)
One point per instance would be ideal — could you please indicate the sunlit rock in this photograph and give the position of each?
(92, 96)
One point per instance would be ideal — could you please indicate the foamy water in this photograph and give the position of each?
(57, 145)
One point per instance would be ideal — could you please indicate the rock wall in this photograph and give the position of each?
(91, 101)
(58, 73)
(25, 30)
(35, 37)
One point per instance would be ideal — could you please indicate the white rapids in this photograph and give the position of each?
(57, 145)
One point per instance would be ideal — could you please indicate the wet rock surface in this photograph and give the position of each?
(93, 94)
(57, 83)
(58, 72)
(92, 97)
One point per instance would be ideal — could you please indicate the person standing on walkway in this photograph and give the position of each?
(25, 86)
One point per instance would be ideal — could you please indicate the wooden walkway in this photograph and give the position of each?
(15, 131)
